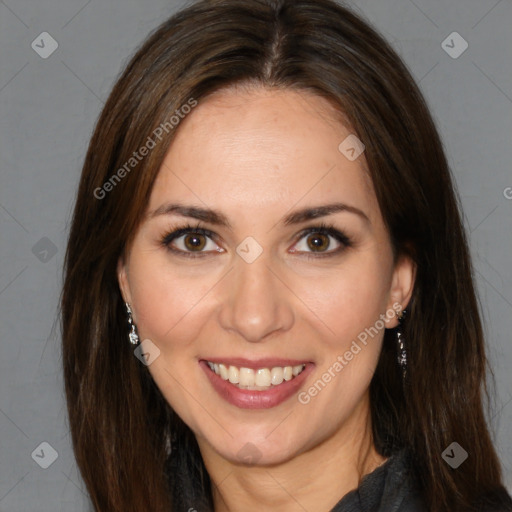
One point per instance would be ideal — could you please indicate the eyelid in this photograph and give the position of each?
(328, 230)
(176, 233)
(185, 230)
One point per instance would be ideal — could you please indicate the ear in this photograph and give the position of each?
(402, 286)
(122, 278)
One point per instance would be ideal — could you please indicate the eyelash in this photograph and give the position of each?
(323, 229)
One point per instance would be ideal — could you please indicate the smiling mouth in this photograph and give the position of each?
(260, 379)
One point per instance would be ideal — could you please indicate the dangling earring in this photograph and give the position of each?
(134, 337)
(171, 443)
(402, 353)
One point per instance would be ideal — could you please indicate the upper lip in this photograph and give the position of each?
(266, 362)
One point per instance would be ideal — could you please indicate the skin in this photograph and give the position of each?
(256, 155)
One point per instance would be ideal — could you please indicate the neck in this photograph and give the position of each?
(315, 479)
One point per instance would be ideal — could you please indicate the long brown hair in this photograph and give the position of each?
(120, 423)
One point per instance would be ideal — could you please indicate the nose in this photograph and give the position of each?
(255, 302)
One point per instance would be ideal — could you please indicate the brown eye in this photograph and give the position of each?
(322, 241)
(194, 242)
(318, 242)
(191, 241)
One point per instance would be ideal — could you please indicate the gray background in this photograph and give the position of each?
(47, 113)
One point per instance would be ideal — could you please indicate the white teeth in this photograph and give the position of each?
(260, 379)
(276, 375)
(246, 377)
(223, 372)
(234, 375)
(297, 369)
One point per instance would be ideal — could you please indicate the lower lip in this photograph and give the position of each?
(252, 399)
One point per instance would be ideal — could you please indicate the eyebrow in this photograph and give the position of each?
(314, 212)
(216, 218)
(205, 214)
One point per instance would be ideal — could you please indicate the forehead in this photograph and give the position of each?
(262, 148)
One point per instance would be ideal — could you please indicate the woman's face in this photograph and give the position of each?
(294, 269)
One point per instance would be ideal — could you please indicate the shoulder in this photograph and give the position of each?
(395, 487)
(403, 480)
(402, 492)
(391, 487)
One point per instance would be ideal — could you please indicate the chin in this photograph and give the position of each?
(258, 450)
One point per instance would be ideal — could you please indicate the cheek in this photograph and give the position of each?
(351, 299)
(350, 304)
(167, 303)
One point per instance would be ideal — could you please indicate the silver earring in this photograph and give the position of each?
(402, 353)
(134, 337)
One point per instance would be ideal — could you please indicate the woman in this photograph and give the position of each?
(268, 297)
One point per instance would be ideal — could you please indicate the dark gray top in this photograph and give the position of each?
(389, 488)
(392, 488)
